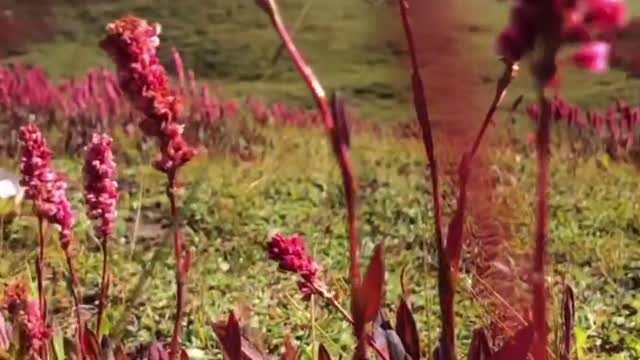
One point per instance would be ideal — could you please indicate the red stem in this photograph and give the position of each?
(40, 273)
(76, 301)
(103, 285)
(342, 155)
(180, 269)
(542, 224)
(446, 283)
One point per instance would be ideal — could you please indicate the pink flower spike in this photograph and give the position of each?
(291, 254)
(607, 15)
(593, 56)
(100, 188)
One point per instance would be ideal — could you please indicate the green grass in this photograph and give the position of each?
(232, 206)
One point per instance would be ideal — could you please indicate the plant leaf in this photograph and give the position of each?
(517, 347)
(323, 354)
(91, 346)
(119, 353)
(568, 321)
(407, 329)
(370, 294)
(157, 351)
(246, 350)
(290, 352)
(479, 349)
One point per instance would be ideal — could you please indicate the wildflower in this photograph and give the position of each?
(593, 56)
(606, 15)
(100, 188)
(34, 330)
(44, 186)
(26, 313)
(131, 42)
(291, 255)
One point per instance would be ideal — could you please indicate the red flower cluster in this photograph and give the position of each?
(26, 315)
(581, 20)
(131, 42)
(44, 186)
(100, 188)
(291, 254)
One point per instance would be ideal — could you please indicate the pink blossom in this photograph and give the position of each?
(593, 56)
(43, 185)
(35, 331)
(291, 255)
(606, 15)
(131, 42)
(100, 188)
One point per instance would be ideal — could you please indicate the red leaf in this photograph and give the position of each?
(230, 337)
(568, 321)
(407, 330)
(323, 354)
(119, 353)
(517, 347)
(370, 294)
(157, 352)
(91, 345)
(184, 355)
(247, 350)
(290, 352)
(479, 349)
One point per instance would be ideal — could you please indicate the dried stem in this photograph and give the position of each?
(103, 284)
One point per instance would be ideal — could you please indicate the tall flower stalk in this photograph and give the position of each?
(131, 42)
(101, 196)
(551, 24)
(46, 188)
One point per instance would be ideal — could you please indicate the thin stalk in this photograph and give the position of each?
(180, 273)
(341, 151)
(40, 272)
(103, 285)
(542, 224)
(345, 314)
(446, 291)
(76, 302)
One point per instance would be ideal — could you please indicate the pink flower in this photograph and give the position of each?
(131, 42)
(100, 188)
(291, 254)
(34, 330)
(44, 186)
(593, 56)
(606, 15)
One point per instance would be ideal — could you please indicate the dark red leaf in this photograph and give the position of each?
(568, 321)
(407, 329)
(479, 349)
(91, 345)
(157, 352)
(371, 288)
(517, 347)
(119, 353)
(184, 355)
(290, 352)
(233, 338)
(323, 354)
(248, 351)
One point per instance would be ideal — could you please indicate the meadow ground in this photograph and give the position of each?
(230, 206)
